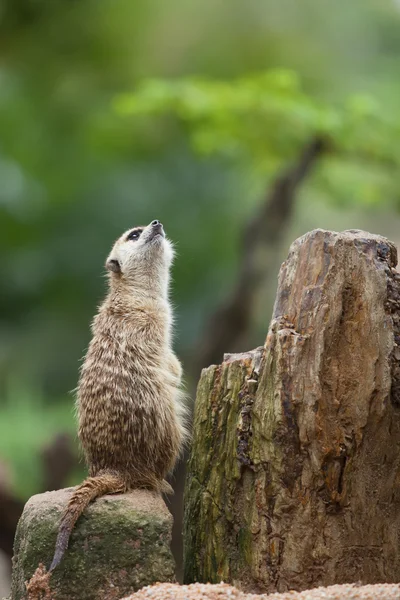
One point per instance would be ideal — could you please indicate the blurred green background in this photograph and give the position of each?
(117, 112)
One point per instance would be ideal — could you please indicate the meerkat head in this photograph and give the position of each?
(142, 256)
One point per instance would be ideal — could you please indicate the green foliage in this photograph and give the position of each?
(114, 113)
(27, 424)
(264, 121)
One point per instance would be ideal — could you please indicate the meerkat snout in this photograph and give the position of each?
(141, 248)
(156, 229)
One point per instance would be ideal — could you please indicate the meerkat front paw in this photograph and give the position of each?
(175, 368)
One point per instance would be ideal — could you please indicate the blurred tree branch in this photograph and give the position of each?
(261, 235)
(59, 460)
(10, 510)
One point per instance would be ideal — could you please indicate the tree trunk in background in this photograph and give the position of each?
(261, 235)
(294, 475)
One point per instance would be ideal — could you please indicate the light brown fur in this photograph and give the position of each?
(129, 410)
(129, 405)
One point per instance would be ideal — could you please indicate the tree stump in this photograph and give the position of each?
(119, 544)
(294, 476)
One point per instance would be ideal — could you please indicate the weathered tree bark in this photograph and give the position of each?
(294, 475)
(231, 321)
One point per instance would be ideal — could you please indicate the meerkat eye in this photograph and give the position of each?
(134, 235)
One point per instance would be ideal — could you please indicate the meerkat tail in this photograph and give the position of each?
(91, 488)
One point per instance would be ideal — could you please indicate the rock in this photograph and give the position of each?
(120, 543)
(294, 476)
(222, 591)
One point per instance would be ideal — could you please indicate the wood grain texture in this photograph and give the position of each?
(294, 475)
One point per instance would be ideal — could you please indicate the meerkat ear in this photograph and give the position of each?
(113, 265)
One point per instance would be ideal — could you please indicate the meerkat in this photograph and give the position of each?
(130, 408)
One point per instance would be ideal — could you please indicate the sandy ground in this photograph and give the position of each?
(198, 591)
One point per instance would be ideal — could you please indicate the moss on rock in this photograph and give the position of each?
(120, 544)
